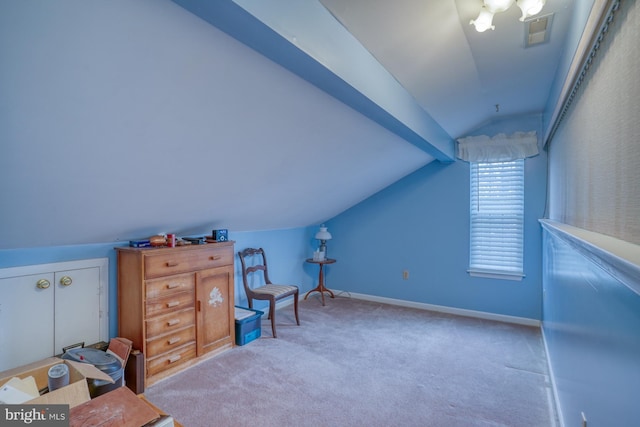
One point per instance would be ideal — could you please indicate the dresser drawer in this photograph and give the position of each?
(182, 261)
(170, 322)
(171, 341)
(169, 304)
(169, 285)
(169, 360)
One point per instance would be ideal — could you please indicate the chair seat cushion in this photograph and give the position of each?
(275, 290)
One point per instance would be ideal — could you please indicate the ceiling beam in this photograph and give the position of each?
(306, 39)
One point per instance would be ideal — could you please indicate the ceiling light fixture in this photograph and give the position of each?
(484, 21)
(530, 7)
(496, 6)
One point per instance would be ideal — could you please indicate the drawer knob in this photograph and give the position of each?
(215, 257)
(174, 359)
(66, 281)
(173, 304)
(173, 322)
(171, 264)
(173, 340)
(43, 284)
(174, 285)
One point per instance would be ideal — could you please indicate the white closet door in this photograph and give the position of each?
(26, 310)
(77, 307)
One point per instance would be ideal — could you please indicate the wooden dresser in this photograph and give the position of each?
(176, 304)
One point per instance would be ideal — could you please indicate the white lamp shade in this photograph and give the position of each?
(530, 7)
(323, 234)
(484, 21)
(495, 6)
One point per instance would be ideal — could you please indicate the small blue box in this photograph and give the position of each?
(220, 235)
(248, 324)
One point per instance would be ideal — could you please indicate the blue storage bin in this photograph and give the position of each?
(248, 325)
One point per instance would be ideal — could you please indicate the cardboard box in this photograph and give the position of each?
(74, 394)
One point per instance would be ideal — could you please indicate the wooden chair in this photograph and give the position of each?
(267, 291)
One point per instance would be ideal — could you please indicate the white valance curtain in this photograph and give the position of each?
(500, 148)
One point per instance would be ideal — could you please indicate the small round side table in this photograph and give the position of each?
(321, 288)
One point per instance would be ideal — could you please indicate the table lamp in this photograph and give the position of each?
(323, 235)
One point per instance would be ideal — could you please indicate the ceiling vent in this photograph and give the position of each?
(537, 30)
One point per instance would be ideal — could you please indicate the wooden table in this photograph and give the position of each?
(321, 288)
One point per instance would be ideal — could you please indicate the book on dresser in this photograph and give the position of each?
(176, 304)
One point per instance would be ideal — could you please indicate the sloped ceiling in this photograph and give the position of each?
(123, 119)
(455, 73)
(460, 78)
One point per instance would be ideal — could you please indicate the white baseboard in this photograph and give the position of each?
(443, 309)
(553, 382)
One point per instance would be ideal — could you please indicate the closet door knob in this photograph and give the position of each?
(43, 284)
(65, 281)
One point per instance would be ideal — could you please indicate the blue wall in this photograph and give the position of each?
(286, 251)
(421, 224)
(592, 331)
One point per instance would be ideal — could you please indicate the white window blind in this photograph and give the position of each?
(497, 218)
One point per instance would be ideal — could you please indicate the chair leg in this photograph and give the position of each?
(295, 307)
(272, 314)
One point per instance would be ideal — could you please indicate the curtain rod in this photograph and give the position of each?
(598, 26)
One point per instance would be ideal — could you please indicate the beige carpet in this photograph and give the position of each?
(359, 363)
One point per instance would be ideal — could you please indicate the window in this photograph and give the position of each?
(497, 219)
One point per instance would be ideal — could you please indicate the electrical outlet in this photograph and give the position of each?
(405, 274)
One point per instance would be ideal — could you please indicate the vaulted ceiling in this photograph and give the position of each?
(461, 78)
(455, 73)
(124, 119)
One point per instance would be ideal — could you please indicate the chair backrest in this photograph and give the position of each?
(257, 265)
